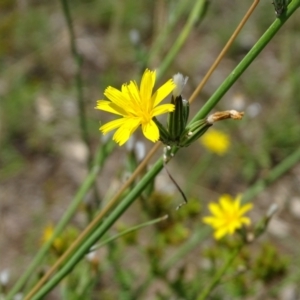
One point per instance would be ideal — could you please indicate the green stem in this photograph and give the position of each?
(78, 78)
(166, 31)
(99, 231)
(79, 86)
(247, 60)
(136, 191)
(199, 169)
(218, 276)
(252, 192)
(129, 230)
(196, 13)
(273, 175)
(129, 199)
(102, 153)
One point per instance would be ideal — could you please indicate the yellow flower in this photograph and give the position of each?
(216, 141)
(137, 106)
(228, 216)
(47, 234)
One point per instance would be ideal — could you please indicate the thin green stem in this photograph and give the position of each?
(98, 232)
(252, 192)
(196, 13)
(218, 276)
(79, 87)
(198, 170)
(129, 199)
(273, 175)
(165, 32)
(247, 60)
(102, 153)
(78, 78)
(129, 230)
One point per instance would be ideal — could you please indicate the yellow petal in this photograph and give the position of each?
(215, 209)
(110, 107)
(220, 233)
(163, 92)
(112, 125)
(233, 226)
(151, 131)
(210, 221)
(162, 109)
(245, 208)
(246, 221)
(134, 94)
(147, 84)
(116, 96)
(226, 203)
(123, 133)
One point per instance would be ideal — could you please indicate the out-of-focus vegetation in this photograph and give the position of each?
(43, 159)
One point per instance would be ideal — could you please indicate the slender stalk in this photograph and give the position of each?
(247, 60)
(218, 276)
(250, 193)
(78, 77)
(273, 175)
(99, 231)
(92, 225)
(165, 32)
(224, 51)
(196, 12)
(102, 153)
(198, 169)
(79, 87)
(129, 230)
(86, 244)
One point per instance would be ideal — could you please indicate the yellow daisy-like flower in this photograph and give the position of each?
(137, 106)
(228, 216)
(216, 141)
(47, 234)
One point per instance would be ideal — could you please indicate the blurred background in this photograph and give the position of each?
(43, 159)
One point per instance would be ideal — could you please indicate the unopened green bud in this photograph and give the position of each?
(193, 132)
(177, 119)
(185, 111)
(262, 225)
(164, 135)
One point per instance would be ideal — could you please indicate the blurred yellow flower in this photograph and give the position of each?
(216, 141)
(137, 106)
(227, 216)
(47, 234)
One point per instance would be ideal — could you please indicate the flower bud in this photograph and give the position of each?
(177, 119)
(193, 132)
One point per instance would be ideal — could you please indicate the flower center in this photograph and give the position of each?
(145, 116)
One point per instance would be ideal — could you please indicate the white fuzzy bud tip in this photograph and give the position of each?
(180, 82)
